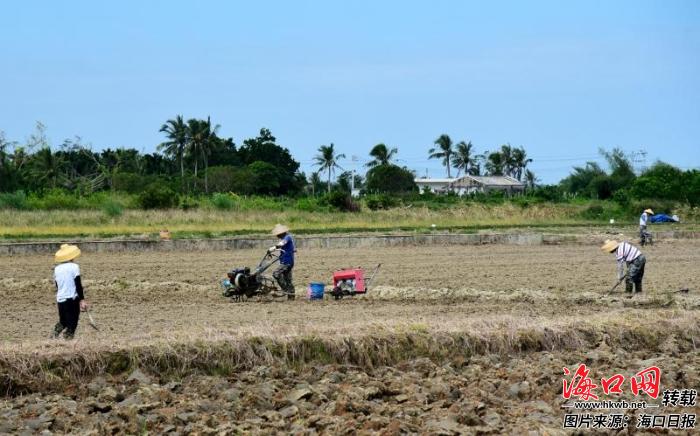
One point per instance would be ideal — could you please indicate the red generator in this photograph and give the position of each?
(350, 282)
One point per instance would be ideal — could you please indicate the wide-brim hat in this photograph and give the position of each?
(279, 229)
(66, 253)
(610, 245)
(649, 211)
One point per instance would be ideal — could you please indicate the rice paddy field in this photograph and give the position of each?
(448, 340)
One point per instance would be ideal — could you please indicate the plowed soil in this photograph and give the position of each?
(174, 297)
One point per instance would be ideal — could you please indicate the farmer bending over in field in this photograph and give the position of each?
(635, 260)
(69, 291)
(283, 274)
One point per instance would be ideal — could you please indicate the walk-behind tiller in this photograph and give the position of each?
(241, 282)
(351, 282)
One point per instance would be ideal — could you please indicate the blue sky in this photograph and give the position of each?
(559, 78)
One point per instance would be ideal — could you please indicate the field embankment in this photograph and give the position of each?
(43, 224)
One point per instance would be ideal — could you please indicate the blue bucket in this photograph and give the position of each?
(316, 291)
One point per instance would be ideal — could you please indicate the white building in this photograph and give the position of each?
(471, 184)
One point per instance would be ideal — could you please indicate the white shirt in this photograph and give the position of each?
(65, 274)
(625, 252)
(643, 219)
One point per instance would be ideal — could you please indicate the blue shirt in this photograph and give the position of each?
(287, 256)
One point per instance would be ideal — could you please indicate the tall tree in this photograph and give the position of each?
(443, 151)
(327, 160)
(530, 179)
(46, 168)
(508, 163)
(495, 164)
(520, 161)
(382, 155)
(463, 159)
(177, 133)
(202, 136)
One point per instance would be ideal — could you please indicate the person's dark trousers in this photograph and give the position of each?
(68, 316)
(635, 274)
(283, 275)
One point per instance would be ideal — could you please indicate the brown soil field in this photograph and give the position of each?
(449, 340)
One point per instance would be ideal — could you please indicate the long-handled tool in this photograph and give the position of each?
(617, 284)
(368, 281)
(91, 320)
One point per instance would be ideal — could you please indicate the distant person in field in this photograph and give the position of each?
(643, 222)
(69, 291)
(626, 253)
(283, 274)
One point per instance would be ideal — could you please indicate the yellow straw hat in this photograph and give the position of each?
(649, 211)
(67, 252)
(279, 229)
(610, 245)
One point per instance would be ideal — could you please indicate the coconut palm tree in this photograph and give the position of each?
(176, 132)
(520, 161)
(463, 159)
(46, 168)
(202, 137)
(443, 151)
(382, 155)
(495, 164)
(327, 160)
(530, 179)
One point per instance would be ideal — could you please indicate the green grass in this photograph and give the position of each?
(41, 224)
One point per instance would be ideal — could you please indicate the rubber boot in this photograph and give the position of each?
(57, 329)
(69, 334)
(638, 287)
(291, 294)
(628, 287)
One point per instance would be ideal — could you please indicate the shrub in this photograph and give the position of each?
(381, 201)
(594, 211)
(13, 200)
(341, 201)
(56, 199)
(157, 196)
(390, 179)
(188, 203)
(112, 208)
(222, 201)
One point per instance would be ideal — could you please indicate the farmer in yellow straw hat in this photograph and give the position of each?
(283, 274)
(643, 222)
(626, 253)
(69, 291)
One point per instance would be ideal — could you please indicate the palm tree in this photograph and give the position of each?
(382, 155)
(520, 161)
(202, 137)
(495, 164)
(326, 159)
(530, 179)
(463, 159)
(314, 181)
(443, 151)
(177, 134)
(507, 160)
(46, 168)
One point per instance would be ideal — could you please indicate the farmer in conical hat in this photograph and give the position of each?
(643, 222)
(283, 274)
(69, 291)
(626, 253)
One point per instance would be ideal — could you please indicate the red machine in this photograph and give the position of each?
(350, 282)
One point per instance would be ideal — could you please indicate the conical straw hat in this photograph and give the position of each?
(279, 229)
(649, 211)
(609, 245)
(67, 252)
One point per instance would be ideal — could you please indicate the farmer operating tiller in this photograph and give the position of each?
(283, 274)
